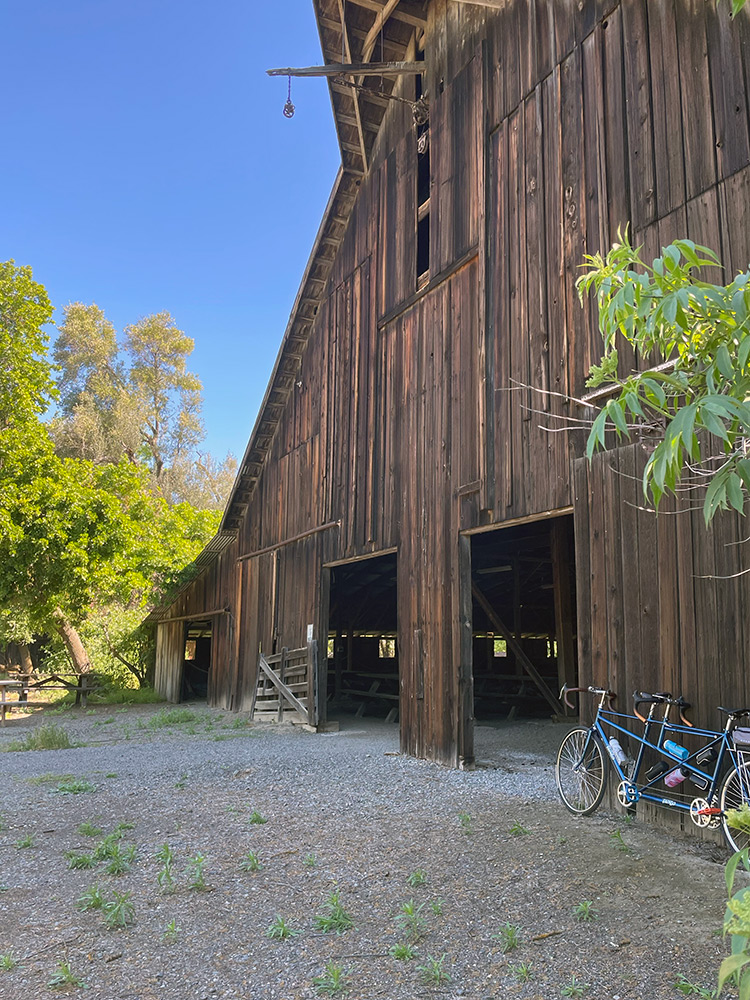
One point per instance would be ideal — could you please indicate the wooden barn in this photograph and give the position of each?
(413, 532)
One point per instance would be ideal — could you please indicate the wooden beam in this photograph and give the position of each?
(377, 26)
(515, 647)
(497, 4)
(353, 69)
(357, 112)
(409, 13)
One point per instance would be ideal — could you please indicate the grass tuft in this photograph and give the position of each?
(46, 737)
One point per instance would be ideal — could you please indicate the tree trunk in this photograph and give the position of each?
(76, 650)
(27, 664)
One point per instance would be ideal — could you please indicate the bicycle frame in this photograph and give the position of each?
(633, 791)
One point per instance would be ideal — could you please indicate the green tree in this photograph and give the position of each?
(26, 385)
(695, 401)
(169, 395)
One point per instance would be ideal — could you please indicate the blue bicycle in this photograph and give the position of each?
(717, 772)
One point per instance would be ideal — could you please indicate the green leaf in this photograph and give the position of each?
(616, 411)
(730, 965)
(744, 352)
(735, 492)
(596, 435)
(724, 363)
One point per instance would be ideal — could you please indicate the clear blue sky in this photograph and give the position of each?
(146, 166)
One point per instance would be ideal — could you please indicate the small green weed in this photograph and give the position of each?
(689, 989)
(165, 878)
(432, 971)
(574, 988)
(8, 961)
(47, 737)
(78, 786)
(618, 843)
(120, 859)
(585, 911)
(49, 779)
(78, 862)
(467, 823)
(196, 872)
(418, 877)
(123, 826)
(89, 830)
(403, 951)
(92, 899)
(334, 917)
(111, 774)
(118, 911)
(437, 906)
(310, 861)
(256, 817)
(182, 781)
(332, 981)
(509, 937)
(23, 842)
(64, 977)
(251, 862)
(166, 718)
(522, 972)
(171, 932)
(107, 846)
(518, 830)
(410, 921)
(280, 930)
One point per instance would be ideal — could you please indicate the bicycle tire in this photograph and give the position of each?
(581, 790)
(735, 791)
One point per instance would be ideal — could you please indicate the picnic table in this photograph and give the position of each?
(82, 684)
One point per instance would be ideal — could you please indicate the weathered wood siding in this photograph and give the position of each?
(660, 605)
(552, 124)
(170, 655)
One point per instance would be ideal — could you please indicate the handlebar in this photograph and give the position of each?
(661, 698)
(565, 691)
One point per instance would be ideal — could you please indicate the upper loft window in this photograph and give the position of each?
(422, 125)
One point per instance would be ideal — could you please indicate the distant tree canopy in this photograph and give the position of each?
(96, 522)
(139, 402)
(695, 401)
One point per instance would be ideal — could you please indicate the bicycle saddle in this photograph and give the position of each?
(734, 713)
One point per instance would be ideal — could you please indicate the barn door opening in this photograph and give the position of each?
(197, 660)
(363, 665)
(524, 619)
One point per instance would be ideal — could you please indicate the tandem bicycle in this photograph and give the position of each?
(717, 772)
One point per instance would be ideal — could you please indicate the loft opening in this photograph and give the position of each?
(363, 663)
(524, 619)
(196, 665)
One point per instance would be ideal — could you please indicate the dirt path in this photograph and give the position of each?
(344, 813)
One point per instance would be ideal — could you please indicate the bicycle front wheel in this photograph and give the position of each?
(734, 793)
(581, 772)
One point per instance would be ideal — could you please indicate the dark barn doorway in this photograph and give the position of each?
(363, 671)
(524, 619)
(197, 660)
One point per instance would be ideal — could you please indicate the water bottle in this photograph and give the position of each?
(675, 750)
(617, 752)
(674, 778)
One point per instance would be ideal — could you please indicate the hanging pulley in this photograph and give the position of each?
(289, 107)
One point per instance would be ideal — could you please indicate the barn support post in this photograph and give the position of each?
(466, 653)
(561, 576)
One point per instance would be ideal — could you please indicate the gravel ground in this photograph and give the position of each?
(495, 845)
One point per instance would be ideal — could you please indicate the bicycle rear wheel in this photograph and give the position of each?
(581, 772)
(734, 793)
